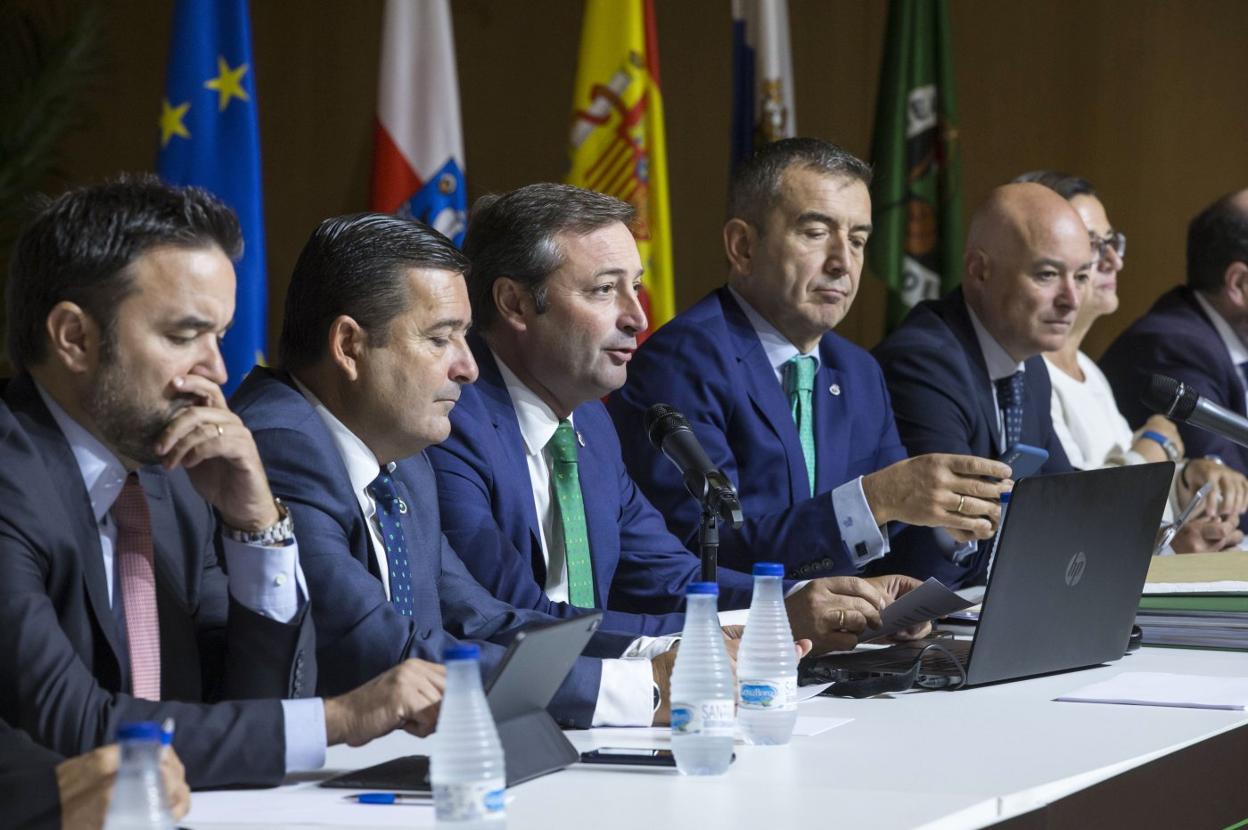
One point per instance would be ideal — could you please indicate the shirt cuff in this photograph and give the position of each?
(859, 531)
(647, 648)
(304, 723)
(625, 694)
(268, 580)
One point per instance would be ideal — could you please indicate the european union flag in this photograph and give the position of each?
(209, 137)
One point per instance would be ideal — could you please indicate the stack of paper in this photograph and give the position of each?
(1196, 599)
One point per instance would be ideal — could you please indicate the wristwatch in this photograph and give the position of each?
(1171, 451)
(281, 532)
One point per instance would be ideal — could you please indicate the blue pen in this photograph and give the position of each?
(391, 798)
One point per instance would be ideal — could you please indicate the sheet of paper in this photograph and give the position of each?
(303, 805)
(662, 735)
(1188, 691)
(926, 602)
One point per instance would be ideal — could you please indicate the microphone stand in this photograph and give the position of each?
(719, 498)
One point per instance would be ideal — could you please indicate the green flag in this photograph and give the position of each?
(916, 247)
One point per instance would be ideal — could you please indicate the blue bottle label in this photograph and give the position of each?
(468, 801)
(768, 694)
(711, 718)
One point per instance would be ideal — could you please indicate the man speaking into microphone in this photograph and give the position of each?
(533, 492)
(796, 415)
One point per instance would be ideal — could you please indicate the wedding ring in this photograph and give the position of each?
(220, 431)
(961, 501)
(840, 619)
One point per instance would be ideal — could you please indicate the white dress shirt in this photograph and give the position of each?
(1234, 344)
(626, 683)
(1000, 365)
(267, 580)
(625, 696)
(859, 529)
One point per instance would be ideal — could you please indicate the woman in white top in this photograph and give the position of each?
(1085, 416)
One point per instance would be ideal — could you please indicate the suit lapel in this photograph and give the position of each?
(1218, 347)
(765, 393)
(602, 506)
(959, 320)
(424, 553)
(63, 470)
(831, 454)
(513, 467)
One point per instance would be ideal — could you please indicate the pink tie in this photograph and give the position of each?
(135, 563)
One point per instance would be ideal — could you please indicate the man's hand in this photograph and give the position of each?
(1207, 533)
(893, 587)
(829, 612)
(1229, 496)
(218, 453)
(407, 696)
(85, 784)
(940, 490)
(661, 668)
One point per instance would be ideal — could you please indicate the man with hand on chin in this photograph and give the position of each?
(124, 484)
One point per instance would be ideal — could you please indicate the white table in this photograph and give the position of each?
(960, 759)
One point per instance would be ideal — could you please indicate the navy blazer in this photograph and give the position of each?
(640, 569)
(71, 690)
(1177, 338)
(943, 402)
(710, 365)
(359, 631)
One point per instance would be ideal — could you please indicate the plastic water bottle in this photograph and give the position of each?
(467, 771)
(138, 801)
(703, 693)
(767, 663)
(996, 540)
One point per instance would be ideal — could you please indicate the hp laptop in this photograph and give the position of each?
(1065, 585)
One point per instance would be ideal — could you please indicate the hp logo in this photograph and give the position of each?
(1074, 571)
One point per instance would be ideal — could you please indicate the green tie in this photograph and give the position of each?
(567, 482)
(799, 384)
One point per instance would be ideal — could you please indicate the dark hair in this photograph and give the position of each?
(1064, 185)
(513, 235)
(357, 265)
(756, 184)
(78, 246)
(1217, 237)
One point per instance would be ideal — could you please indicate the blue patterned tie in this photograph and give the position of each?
(1010, 399)
(389, 508)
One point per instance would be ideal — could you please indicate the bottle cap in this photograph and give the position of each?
(463, 651)
(706, 588)
(144, 730)
(768, 569)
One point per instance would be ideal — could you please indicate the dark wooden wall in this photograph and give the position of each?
(1144, 97)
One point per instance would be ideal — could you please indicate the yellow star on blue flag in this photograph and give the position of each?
(209, 139)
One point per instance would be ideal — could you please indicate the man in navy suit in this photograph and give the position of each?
(125, 481)
(800, 217)
(965, 371)
(1196, 333)
(534, 492)
(373, 357)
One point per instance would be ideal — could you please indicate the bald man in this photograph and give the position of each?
(965, 371)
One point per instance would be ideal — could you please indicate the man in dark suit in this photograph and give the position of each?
(41, 791)
(373, 354)
(1196, 334)
(124, 482)
(965, 371)
(534, 492)
(815, 457)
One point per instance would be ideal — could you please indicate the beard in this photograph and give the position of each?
(123, 418)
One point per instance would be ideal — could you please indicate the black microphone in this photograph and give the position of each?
(1181, 403)
(670, 433)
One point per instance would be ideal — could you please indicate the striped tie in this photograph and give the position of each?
(567, 484)
(136, 565)
(799, 384)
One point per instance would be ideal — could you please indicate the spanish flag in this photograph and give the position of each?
(617, 143)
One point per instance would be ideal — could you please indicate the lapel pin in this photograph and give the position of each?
(402, 506)
(579, 438)
(835, 389)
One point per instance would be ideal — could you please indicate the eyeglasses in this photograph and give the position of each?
(1115, 241)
